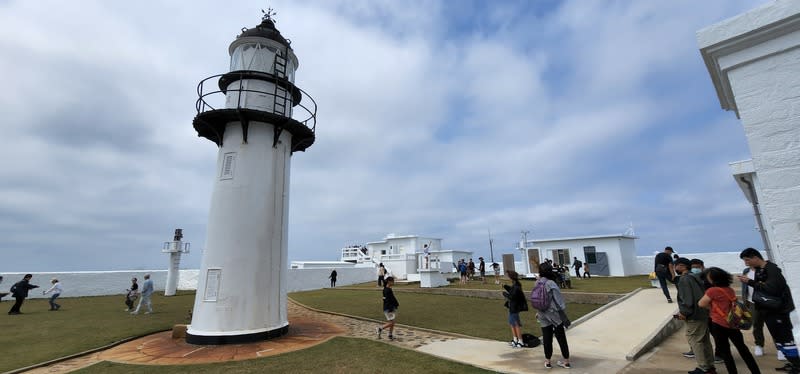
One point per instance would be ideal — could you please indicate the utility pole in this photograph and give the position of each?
(523, 248)
(491, 250)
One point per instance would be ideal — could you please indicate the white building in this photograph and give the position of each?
(754, 63)
(404, 255)
(613, 255)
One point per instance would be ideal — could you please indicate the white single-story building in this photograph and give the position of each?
(404, 255)
(613, 255)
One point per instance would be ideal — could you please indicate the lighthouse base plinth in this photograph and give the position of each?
(236, 339)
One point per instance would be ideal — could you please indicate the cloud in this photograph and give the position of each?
(571, 118)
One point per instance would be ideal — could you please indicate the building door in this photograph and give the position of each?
(561, 256)
(508, 262)
(600, 267)
(533, 260)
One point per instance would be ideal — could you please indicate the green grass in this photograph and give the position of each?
(594, 285)
(82, 323)
(338, 355)
(483, 318)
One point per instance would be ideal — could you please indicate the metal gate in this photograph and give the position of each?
(508, 262)
(600, 267)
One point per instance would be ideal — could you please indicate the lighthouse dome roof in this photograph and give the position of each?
(266, 29)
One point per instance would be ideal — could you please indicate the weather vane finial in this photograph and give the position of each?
(268, 14)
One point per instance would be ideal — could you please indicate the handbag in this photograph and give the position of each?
(564, 319)
(764, 301)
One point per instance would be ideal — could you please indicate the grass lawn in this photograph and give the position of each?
(82, 323)
(339, 355)
(484, 318)
(595, 284)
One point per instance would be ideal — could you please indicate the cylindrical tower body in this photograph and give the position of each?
(175, 248)
(241, 293)
(173, 273)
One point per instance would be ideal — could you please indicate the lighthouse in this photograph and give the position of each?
(258, 118)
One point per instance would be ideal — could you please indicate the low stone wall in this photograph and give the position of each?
(570, 297)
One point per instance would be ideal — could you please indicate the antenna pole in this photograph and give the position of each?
(491, 250)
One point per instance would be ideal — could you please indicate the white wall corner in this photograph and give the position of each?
(759, 33)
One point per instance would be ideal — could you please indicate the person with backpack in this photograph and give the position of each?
(20, 291)
(690, 291)
(773, 301)
(547, 299)
(577, 265)
(515, 302)
(721, 299)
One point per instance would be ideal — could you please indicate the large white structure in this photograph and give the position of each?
(175, 248)
(754, 63)
(606, 254)
(404, 255)
(247, 113)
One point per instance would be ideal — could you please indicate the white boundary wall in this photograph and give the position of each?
(729, 261)
(98, 283)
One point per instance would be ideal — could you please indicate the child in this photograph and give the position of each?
(56, 289)
(586, 270)
(515, 303)
(390, 306)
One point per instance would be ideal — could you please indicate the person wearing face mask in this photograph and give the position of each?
(698, 267)
(690, 291)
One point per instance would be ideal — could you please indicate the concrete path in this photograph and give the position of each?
(599, 345)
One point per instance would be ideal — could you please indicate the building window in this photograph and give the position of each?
(561, 256)
(590, 253)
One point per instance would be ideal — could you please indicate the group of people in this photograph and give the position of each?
(20, 292)
(466, 270)
(706, 301)
(144, 296)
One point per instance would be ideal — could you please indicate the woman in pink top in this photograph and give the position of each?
(720, 298)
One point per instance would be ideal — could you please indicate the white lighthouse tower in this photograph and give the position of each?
(175, 248)
(249, 113)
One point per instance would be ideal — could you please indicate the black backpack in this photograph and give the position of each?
(530, 340)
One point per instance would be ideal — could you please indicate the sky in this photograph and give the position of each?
(447, 119)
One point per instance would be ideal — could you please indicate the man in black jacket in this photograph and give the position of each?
(390, 305)
(769, 281)
(20, 292)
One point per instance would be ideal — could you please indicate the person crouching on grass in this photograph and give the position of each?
(390, 306)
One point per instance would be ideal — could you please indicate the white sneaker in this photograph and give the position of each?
(758, 351)
(781, 357)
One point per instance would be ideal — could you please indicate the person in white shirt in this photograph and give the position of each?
(56, 289)
(147, 292)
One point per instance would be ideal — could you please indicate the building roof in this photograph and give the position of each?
(621, 236)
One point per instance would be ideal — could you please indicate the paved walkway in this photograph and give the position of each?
(598, 345)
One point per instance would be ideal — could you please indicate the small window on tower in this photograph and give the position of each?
(228, 164)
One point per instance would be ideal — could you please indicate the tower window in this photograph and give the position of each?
(228, 164)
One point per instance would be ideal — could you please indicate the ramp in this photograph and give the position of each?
(601, 344)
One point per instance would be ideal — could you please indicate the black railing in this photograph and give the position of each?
(307, 113)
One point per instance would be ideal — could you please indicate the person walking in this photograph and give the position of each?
(690, 291)
(577, 265)
(482, 269)
(665, 270)
(132, 295)
(720, 298)
(20, 291)
(333, 278)
(390, 305)
(381, 274)
(56, 289)
(516, 303)
(773, 302)
(554, 319)
(496, 269)
(147, 292)
(586, 271)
